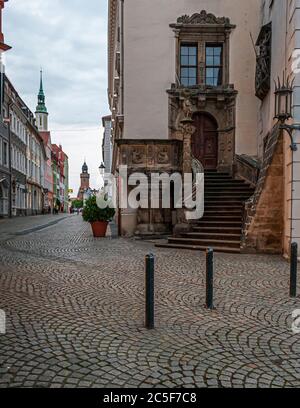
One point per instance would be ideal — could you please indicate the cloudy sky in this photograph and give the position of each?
(68, 39)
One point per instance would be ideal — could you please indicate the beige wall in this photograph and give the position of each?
(285, 17)
(150, 64)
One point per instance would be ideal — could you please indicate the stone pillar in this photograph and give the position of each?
(187, 130)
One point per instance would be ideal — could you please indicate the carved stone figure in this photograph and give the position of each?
(163, 155)
(187, 108)
(138, 155)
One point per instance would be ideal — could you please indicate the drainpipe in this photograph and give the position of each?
(122, 57)
(9, 166)
(121, 112)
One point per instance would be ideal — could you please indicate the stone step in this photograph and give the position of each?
(218, 230)
(221, 212)
(206, 217)
(222, 204)
(225, 193)
(227, 198)
(217, 175)
(229, 182)
(217, 223)
(228, 191)
(210, 187)
(212, 243)
(216, 236)
(200, 248)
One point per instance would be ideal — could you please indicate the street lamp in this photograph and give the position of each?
(283, 112)
(283, 108)
(102, 169)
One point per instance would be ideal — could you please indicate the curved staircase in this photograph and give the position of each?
(221, 226)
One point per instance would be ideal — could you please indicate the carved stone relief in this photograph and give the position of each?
(263, 62)
(203, 18)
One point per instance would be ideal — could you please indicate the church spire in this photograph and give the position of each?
(41, 112)
(41, 107)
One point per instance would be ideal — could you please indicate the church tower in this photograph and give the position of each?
(41, 113)
(84, 181)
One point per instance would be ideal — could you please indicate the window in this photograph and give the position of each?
(188, 64)
(213, 65)
(212, 58)
(5, 153)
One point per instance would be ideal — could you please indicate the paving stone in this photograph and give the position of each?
(74, 309)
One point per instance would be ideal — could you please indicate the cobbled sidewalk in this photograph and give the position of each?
(75, 311)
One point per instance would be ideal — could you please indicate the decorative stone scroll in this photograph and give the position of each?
(203, 18)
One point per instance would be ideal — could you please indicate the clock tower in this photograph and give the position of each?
(41, 113)
(84, 181)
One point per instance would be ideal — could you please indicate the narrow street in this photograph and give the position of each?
(75, 311)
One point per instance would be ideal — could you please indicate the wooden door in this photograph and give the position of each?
(205, 140)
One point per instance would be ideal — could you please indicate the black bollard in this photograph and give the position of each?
(210, 278)
(294, 262)
(149, 315)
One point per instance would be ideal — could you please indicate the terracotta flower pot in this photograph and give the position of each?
(99, 228)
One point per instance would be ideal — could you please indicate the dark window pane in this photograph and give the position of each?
(184, 50)
(217, 60)
(192, 81)
(192, 60)
(214, 71)
(209, 51)
(210, 81)
(184, 81)
(193, 51)
(184, 60)
(209, 60)
(192, 72)
(188, 62)
(185, 72)
(217, 50)
(210, 72)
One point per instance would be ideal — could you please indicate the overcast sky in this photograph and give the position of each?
(68, 39)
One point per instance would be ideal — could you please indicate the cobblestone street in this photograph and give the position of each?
(75, 311)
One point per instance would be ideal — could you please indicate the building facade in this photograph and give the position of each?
(106, 144)
(36, 159)
(41, 115)
(66, 184)
(27, 155)
(204, 93)
(60, 178)
(5, 171)
(48, 174)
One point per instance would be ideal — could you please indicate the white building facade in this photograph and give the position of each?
(106, 144)
(213, 63)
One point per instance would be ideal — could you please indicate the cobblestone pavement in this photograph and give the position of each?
(75, 307)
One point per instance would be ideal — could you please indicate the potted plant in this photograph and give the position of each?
(98, 215)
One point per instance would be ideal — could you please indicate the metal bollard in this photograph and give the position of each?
(210, 278)
(149, 286)
(294, 262)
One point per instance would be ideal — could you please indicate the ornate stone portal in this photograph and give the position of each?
(218, 102)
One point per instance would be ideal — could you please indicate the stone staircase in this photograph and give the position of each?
(221, 226)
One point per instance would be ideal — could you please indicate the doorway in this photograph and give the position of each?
(205, 140)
